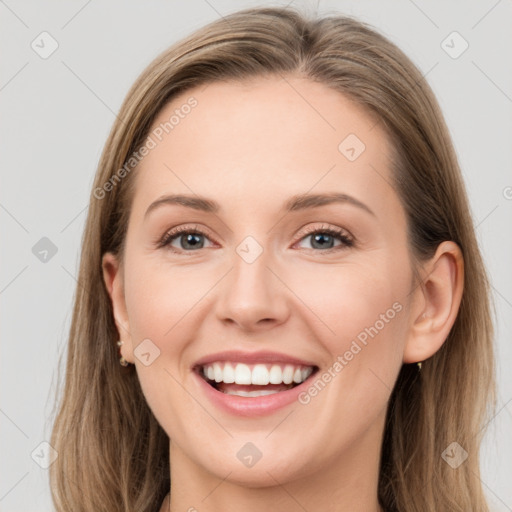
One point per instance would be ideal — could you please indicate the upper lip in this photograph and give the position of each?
(252, 358)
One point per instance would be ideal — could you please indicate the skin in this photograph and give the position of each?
(250, 146)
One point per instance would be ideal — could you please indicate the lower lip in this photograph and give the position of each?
(251, 406)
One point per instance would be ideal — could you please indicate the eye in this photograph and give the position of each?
(187, 238)
(323, 238)
(191, 239)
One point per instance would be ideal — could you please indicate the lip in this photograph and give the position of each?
(251, 406)
(252, 358)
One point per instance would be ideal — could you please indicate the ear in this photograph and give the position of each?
(436, 303)
(114, 281)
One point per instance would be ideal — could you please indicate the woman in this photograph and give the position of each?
(280, 253)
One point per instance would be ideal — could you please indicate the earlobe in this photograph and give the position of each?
(438, 303)
(114, 282)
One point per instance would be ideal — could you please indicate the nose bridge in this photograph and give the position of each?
(252, 292)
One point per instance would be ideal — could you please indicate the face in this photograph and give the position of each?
(292, 288)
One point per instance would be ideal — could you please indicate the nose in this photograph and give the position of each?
(253, 296)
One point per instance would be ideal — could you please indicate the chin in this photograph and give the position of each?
(264, 473)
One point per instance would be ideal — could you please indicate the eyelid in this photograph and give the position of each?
(175, 231)
(326, 228)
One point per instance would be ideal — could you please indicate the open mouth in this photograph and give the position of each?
(253, 380)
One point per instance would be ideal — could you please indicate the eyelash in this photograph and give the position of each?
(347, 241)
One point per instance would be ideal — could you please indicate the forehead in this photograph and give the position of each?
(253, 141)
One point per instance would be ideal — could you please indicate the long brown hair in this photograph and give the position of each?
(113, 454)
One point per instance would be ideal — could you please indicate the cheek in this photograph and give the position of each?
(351, 301)
(362, 308)
(362, 312)
(158, 298)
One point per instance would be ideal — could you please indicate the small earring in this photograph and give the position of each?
(122, 360)
(419, 367)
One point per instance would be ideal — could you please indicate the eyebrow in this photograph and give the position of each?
(295, 203)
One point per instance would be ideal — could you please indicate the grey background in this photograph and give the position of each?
(55, 117)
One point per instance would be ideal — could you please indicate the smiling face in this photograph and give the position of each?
(263, 269)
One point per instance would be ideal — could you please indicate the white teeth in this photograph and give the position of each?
(252, 393)
(243, 374)
(217, 372)
(229, 374)
(288, 374)
(276, 375)
(259, 374)
(306, 372)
